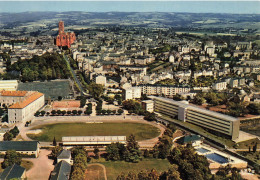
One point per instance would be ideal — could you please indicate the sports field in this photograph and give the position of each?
(141, 131)
(51, 89)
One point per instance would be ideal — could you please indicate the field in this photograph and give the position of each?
(94, 172)
(141, 131)
(51, 89)
(113, 169)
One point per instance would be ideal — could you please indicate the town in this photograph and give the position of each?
(157, 101)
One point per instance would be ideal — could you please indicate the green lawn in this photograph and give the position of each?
(141, 131)
(113, 169)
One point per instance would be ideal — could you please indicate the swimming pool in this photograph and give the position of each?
(202, 150)
(217, 158)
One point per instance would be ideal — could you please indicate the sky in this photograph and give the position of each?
(192, 6)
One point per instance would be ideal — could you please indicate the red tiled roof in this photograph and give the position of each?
(13, 93)
(26, 101)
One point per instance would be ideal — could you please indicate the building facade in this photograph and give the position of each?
(21, 104)
(166, 90)
(64, 38)
(132, 93)
(22, 147)
(212, 121)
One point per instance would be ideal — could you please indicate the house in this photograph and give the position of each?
(61, 171)
(195, 140)
(23, 147)
(65, 155)
(13, 172)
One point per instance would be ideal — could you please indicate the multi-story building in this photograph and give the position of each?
(21, 104)
(148, 105)
(8, 85)
(219, 86)
(132, 93)
(167, 90)
(210, 120)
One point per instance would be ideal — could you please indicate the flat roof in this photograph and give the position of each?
(93, 138)
(195, 108)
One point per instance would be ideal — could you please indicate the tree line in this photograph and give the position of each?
(46, 67)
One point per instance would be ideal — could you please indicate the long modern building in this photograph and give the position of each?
(92, 140)
(212, 121)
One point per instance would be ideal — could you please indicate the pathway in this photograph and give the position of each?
(42, 166)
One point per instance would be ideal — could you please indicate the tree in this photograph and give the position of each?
(68, 112)
(15, 131)
(77, 174)
(56, 151)
(133, 149)
(146, 153)
(96, 152)
(255, 147)
(254, 108)
(198, 99)
(63, 112)
(53, 112)
(120, 111)
(113, 152)
(11, 157)
(8, 136)
(109, 111)
(96, 90)
(177, 97)
(83, 102)
(54, 143)
(104, 111)
(172, 173)
(43, 113)
(59, 112)
(79, 112)
(37, 114)
(74, 112)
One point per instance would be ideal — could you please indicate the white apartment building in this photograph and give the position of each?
(8, 85)
(219, 86)
(148, 105)
(166, 90)
(101, 80)
(210, 120)
(131, 93)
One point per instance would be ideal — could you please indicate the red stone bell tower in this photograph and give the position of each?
(64, 38)
(61, 27)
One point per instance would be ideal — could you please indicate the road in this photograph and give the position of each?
(75, 76)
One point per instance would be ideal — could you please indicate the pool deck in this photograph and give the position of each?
(233, 161)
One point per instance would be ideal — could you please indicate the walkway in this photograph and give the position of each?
(42, 166)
